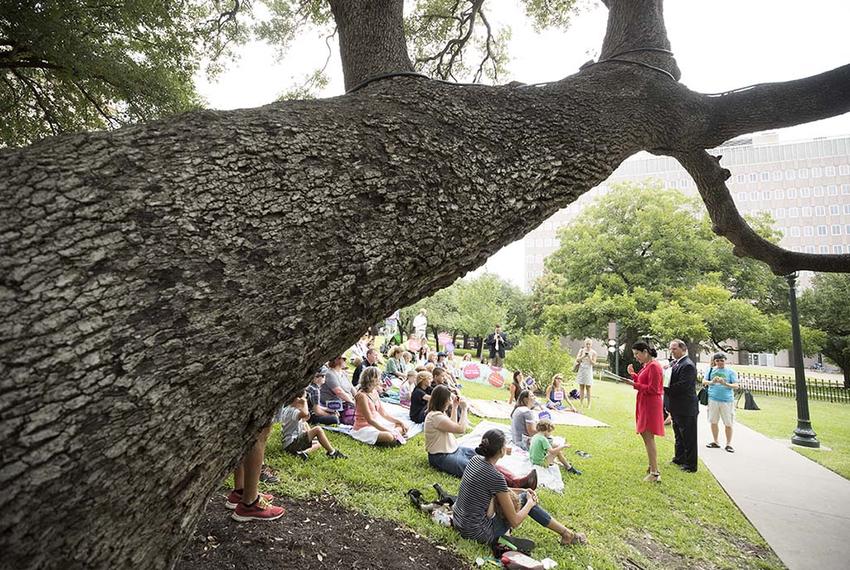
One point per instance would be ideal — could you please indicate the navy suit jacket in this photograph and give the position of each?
(682, 392)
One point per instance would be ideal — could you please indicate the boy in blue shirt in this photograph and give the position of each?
(720, 382)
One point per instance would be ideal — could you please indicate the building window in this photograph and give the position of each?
(834, 210)
(765, 176)
(832, 190)
(810, 249)
(844, 169)
(754, 196)
(780, 213)
(779, 194)
(795, 231)
(818, 191)
(807, 211)
(820, 211)
(765, 195)
(808, 231)
(792, 193)
(847, 209)
(817, 172)
(822, 231)
(824, 249)
(829, 171)
(847, 229)
(837, 249)
(777, 175)
(790, 175)
(741, 178)
(845, 189)
(836, 230)
(741, 196)
(805, 192)
(794, 212)
(803, 172)
(754, 177)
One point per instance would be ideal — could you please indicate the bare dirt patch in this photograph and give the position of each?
(316, 533)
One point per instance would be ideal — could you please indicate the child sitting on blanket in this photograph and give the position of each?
(297, 438)
(556, 396)
(541, 451)
(405, 391)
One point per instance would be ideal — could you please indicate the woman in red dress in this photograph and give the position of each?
(649, 409)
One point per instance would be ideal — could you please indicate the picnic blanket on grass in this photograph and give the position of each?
(502, 411)
(396, 411)
(518, 461)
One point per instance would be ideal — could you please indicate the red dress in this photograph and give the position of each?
(649, 408)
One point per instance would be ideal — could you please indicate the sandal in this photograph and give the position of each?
(576, 538)
(653, 477)
(713, 445)
(730, 449)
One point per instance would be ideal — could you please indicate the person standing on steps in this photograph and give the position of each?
(683, 406)
(720, 383)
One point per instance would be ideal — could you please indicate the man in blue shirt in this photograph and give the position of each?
(720, 382)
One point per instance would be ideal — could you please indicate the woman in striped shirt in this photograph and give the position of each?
(485, 508)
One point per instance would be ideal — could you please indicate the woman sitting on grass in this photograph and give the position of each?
(444, 454)
(485, 508)
(556, 397)
(523, 419)
(516, 387)
(372, 424)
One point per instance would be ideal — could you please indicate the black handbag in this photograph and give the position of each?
(702, 395)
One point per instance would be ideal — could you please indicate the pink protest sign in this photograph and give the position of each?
(414, 344)
(444, 338)
(471, 371)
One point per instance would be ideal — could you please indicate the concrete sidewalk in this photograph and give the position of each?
(800, 508)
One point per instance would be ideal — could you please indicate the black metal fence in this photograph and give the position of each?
(770, 385)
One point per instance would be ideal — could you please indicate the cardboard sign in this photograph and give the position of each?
(414, 344)
(444, 338)
(471, 371)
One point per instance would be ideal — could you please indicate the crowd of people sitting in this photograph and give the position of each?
(491, 500)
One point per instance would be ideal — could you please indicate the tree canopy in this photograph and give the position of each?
(646, 257)
(825, 307)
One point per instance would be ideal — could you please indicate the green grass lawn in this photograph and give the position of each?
(778, 418)
(686, 521)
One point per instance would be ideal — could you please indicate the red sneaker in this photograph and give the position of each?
(235, 497)
(260, 510)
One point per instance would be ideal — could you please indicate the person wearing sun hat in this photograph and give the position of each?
(720, 382)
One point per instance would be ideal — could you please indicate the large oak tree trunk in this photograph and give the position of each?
(163, 288)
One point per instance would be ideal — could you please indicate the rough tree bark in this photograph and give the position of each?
(164, 287)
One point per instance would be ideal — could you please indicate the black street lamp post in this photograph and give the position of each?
(804, 434)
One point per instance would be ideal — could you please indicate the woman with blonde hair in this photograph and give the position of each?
(585, 359)
(372, 424)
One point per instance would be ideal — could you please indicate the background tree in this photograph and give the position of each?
(165, 287)
(646, 257)
(825, 307)
(72, 66)
(541, 357)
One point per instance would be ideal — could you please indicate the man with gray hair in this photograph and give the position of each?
(683, 406)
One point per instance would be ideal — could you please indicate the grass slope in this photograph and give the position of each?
(687, 520)
(778, 418)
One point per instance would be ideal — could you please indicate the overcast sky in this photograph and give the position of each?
(719, 45)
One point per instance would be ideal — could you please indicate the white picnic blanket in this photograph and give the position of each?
(396, 411)
(517, 462)
(502, 411)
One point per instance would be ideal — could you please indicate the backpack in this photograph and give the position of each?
(749, 401)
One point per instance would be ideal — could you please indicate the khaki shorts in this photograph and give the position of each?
(721, 411)
(301, 443)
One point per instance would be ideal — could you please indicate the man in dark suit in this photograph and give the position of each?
(497, 342)
(683, 406)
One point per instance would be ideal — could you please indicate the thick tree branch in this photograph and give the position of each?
(711, 178)
(636, 32)
(776, 105)
(371, 38)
